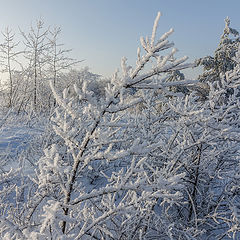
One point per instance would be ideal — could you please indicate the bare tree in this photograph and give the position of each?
(36, 45)
(58, 60)
(9, 59)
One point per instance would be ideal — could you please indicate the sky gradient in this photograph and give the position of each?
(100, 32)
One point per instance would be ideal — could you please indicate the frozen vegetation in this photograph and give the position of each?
(146, 154)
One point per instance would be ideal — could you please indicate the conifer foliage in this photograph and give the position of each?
(223, 59)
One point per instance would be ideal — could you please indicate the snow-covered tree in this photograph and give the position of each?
(36, 46)
(223, 59)
(9, 59)
(58, 59)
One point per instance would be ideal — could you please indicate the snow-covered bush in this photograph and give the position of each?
(99, 180)
(204, 146)
(100, 183)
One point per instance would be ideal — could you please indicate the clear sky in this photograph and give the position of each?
(102, 31)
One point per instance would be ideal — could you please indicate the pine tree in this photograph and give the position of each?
(223, 59)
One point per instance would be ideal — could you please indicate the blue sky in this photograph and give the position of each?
(102, 31)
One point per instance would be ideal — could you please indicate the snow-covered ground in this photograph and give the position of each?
(15, 136)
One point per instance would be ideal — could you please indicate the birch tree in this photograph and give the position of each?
(36, 46)
(9, 56)
(58, 59)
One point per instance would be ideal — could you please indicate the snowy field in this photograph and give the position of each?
(16, 135)
(16, 138)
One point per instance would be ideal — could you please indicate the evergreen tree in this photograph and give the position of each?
(223, 59)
